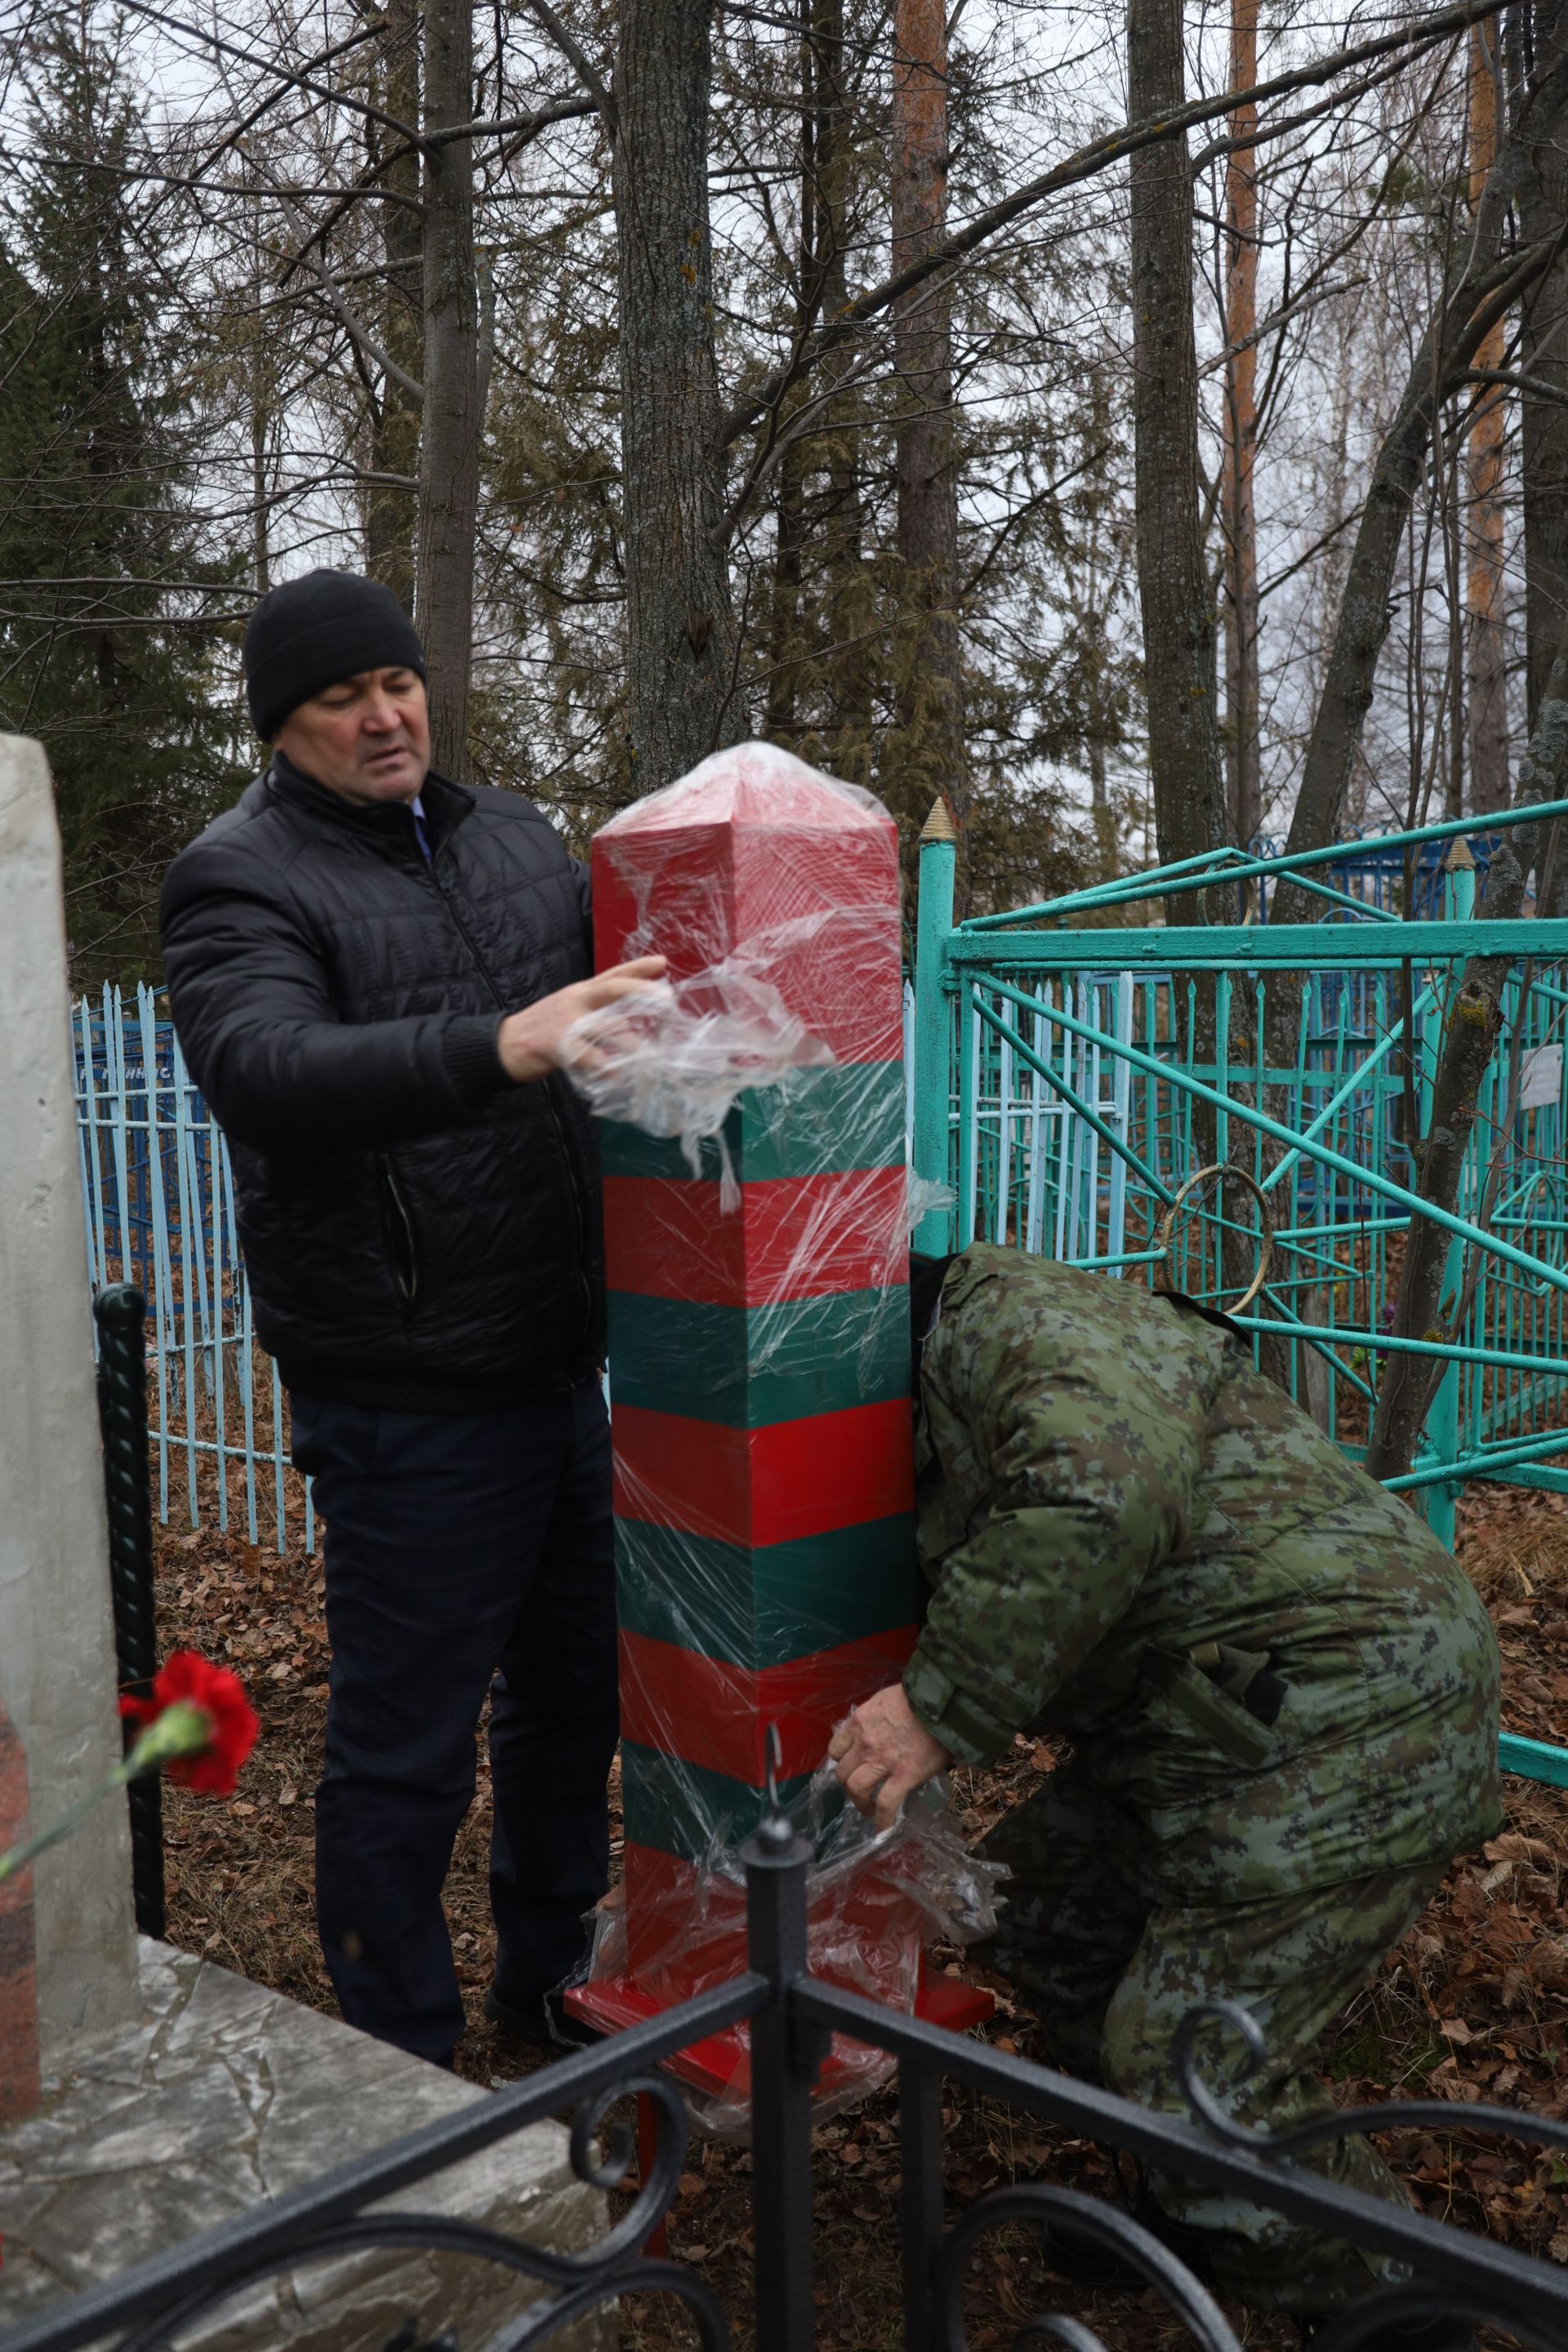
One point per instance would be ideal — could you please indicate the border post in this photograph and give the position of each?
(938, 859)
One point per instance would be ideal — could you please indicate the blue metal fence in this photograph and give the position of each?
(158, 1199)
(1375, 876)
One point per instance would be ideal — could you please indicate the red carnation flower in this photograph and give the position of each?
(209, 1737)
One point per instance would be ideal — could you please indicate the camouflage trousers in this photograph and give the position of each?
(1111, 1976)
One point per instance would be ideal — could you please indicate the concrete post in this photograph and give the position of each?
(57, 1639)
(759, 1357)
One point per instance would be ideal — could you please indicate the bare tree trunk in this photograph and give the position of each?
(261, 396)
(1486, 669)
(680, 649)
(1241, 613)
(849, 609)
(1172, 579)
(932, 695)
(1409, 1383)
(1543, 209)
(392, 513)
(1494, 280)
(786, 647)
(818, 256)
(449, 452)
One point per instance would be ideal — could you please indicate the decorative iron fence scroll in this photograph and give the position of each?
(792, 2017)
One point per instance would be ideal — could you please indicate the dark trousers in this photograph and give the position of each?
(465, 1553)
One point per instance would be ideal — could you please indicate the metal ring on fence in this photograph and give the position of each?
(1160, 1270)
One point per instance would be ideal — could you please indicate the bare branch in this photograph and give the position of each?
(359, 332)
(1084, 163)
(576, 56)
(271, 66)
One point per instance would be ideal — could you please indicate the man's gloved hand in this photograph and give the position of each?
(528, 1041)
(884, 1753)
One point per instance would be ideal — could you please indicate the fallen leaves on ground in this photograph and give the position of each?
(1472, 2006)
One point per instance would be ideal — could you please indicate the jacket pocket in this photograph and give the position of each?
(397, 1233)
(1219, 1719)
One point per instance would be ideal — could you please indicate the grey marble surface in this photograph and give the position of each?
(224, 2094)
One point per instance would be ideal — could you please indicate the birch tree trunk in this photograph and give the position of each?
(1172, 579)
(449, 450)
(931, 689)
(1241, 657)
(680, 628)
(1486, 670)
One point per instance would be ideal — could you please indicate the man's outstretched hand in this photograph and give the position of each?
(528, 1041)
(884, 1753)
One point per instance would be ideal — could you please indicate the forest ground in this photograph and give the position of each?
(1473, 2003)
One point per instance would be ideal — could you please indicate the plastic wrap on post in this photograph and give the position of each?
(877, 1898)
(756, 1219)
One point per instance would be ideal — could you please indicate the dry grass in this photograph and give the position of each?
(1474, 2002)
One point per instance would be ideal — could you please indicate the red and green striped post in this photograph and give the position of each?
(759, 1354)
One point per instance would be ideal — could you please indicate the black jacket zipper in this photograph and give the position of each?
(566, 1152)
(399, 1208)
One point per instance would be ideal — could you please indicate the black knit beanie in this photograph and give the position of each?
(309, 633)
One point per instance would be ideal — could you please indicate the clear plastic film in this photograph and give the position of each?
(757, 1213)
(876, 1899)
(675, 1061)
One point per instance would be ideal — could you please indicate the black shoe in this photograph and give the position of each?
(1074, 2253)
(539, 2019)
(1077, 2252)
(1435, 2335)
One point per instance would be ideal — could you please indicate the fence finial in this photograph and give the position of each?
(1458, 859)
(939, 825)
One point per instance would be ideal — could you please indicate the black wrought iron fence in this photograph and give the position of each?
(793, 2017)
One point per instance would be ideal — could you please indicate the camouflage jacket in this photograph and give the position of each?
(1135, 1538)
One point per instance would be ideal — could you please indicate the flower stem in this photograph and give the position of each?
(180, 1730)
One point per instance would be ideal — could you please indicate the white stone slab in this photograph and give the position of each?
(57, 1643)
(226, 2095)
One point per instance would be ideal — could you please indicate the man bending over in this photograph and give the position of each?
(1281, 1693)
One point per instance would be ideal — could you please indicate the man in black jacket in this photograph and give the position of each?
(371, 970)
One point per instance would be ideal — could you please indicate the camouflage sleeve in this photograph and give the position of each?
(1093, 1438)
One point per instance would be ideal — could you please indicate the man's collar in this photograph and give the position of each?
(444, 804)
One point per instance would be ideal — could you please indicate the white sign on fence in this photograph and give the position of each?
(1542, 1078)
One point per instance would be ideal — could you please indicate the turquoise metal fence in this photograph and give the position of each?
(158, 1199)
(1059, 1090)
